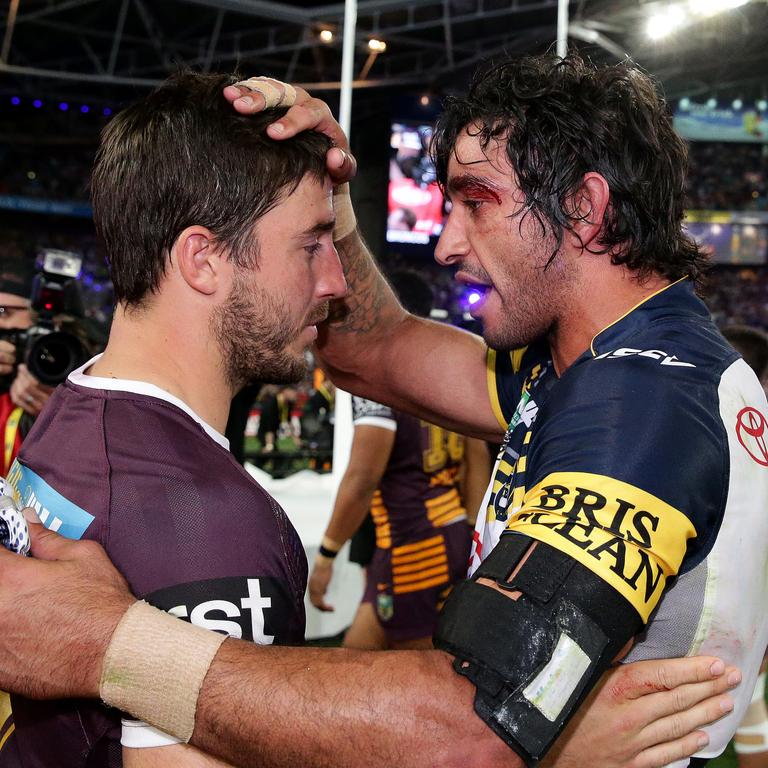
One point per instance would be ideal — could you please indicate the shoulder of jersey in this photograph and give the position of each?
(672, 351)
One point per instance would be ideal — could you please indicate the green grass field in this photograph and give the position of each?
(726, 760)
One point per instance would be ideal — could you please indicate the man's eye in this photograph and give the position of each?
(472, 205)
(313, 249)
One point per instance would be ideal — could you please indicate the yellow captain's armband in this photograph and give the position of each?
(626, 536)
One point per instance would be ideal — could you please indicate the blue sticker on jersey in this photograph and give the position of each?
(56, 512)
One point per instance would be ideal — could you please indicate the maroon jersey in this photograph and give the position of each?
(128, 465)
(418, 491)
(422, 541)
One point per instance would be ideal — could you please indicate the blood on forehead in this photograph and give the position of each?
(474, 187)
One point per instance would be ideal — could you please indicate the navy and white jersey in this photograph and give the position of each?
(132, 467)
(646, 461)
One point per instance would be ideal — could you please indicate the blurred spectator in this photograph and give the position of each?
(728, 176)
(277, 417)
(317, 422)
(738, 296)
(56, 172)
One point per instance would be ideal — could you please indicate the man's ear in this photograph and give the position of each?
(200, 259)
(587, 209)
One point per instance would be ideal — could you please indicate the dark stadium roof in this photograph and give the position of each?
(99, 49)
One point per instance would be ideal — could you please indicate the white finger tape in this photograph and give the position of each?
(275, 92)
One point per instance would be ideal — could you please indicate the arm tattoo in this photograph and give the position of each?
(363, 307)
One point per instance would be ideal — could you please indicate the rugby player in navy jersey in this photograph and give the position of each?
(659, 425)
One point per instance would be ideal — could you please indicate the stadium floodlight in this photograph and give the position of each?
(685, 103)
(326, 35)
(664, 23)
(737, 104)
(712, 103)
(762, 105)
(377, 46)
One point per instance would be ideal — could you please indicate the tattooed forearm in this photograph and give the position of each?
(365, 305)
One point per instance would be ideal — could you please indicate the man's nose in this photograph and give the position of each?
(452, 246)
(331, 283)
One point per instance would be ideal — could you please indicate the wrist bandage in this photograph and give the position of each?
(154, 668)
(346, 223)
(273, 96)
(328, 550)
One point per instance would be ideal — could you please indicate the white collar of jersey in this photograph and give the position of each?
(82, 379)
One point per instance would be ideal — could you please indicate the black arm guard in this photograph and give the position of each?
(534, 659)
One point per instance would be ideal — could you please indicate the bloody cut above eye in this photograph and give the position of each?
(479, 192)
(473, 188)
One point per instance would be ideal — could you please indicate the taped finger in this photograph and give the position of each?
(289, 95)
(274, 92)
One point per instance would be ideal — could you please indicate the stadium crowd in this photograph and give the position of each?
(728, 176)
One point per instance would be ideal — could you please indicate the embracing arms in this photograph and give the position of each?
(276, 707)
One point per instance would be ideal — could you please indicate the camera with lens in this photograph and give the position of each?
(49, 354)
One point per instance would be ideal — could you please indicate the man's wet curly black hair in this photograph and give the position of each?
(562, 118)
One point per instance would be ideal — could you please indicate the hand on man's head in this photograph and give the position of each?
(305, 113)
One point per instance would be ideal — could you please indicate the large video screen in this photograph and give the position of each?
(415, 212)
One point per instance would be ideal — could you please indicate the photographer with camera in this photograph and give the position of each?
(36, 352)
(22, 396)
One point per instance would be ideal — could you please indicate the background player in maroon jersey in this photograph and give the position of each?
(411, 475)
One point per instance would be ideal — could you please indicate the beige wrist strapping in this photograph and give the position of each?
(346, 223)
(154, 668)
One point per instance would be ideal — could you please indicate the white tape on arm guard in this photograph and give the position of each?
(155, 666)
(346, 222)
